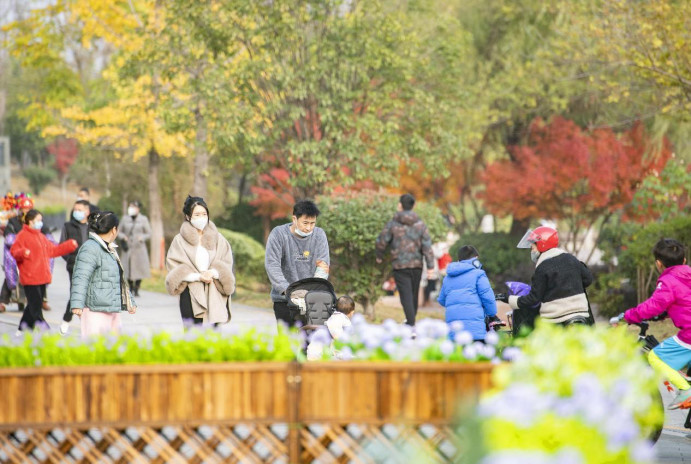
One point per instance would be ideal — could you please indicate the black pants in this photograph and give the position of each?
(186, 310)
(408, 285)
(282, 313)
(6, 293)
(431, 286)
(67, 317)
(134, 286)
(33, 312)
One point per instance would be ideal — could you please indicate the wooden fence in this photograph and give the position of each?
(235, 412)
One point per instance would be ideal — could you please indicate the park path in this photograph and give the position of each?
(157, 311)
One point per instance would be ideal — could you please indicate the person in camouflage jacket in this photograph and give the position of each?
(410, 241)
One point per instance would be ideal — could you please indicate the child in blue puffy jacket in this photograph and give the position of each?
(466, 293)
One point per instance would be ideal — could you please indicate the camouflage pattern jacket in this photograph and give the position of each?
(409, 240)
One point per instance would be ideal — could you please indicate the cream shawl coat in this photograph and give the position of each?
(210, 302)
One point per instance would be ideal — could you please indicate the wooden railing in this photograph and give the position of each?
(235, 412)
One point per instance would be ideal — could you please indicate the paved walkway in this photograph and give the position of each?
(155, 311)
(158, 311)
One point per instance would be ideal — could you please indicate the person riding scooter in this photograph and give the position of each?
(559, 281)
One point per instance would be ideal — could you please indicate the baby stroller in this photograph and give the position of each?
(311, 301)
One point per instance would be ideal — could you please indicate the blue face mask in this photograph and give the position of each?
(38, 225)
(79, 215)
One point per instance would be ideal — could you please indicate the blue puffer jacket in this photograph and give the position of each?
(467, 296)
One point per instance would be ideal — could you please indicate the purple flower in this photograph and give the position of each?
(456, 326)
(446, 347)
(463, 338)
(642, 451)
(321, 335)
(511, 353)
(358, 319)
(492, 338)
(390, 348)
(345, 353)
(470, 352)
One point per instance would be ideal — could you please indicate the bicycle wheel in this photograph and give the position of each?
(655, 433)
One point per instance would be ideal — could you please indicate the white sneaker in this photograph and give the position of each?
(64, 327)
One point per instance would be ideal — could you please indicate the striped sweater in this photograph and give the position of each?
(559, 284)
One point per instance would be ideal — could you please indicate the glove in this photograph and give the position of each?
(616, 319)
(501, 297)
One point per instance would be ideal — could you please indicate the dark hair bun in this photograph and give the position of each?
(102, 222)
(191, 202)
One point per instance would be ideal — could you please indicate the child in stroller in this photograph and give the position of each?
(311, 301)
(335, 326)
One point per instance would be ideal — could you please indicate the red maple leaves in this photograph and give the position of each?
(564, 172)
(65, 152)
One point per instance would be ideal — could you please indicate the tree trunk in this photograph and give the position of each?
(241, 188)
(518, 228)
(63, 186)
(368, 307)
(266, 226)
(155, 209)
(201, 157)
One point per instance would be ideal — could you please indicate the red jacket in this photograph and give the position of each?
(35, 269)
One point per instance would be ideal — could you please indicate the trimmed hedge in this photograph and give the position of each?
(248, 256)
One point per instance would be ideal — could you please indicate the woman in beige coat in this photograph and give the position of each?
(200, 267)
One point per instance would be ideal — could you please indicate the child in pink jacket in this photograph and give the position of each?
(673, 295)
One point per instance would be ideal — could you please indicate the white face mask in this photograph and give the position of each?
(132, 211)
(303, 234)
(534, 255)
(199, 222)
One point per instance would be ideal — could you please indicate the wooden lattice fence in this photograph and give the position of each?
(235, 412)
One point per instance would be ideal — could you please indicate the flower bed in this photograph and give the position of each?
(581, 395)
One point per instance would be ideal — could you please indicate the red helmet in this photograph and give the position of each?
(25, 203)
(544, 237)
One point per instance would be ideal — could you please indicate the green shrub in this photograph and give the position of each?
(632, 245)
(241, 218)
(352, 224)
(248, 256)
(39, 177)
(499, 256)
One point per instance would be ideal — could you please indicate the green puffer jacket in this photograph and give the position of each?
(97, 281)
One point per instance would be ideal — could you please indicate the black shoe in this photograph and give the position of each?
(136, 292)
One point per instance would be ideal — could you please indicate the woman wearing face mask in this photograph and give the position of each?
(134, 232)
(33, 251)
(99, 290)
(78, 229)
(200, 267)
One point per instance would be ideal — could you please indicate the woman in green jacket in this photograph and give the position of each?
(99, 290)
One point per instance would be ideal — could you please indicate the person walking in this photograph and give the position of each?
(85, 194)
(295, 251)
(134, 232)
(409, 239)
(32, 250)
(24, 204)
(78, 229)
(99, 291)
(200, 267)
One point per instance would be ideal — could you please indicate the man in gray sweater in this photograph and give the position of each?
(293, 252)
